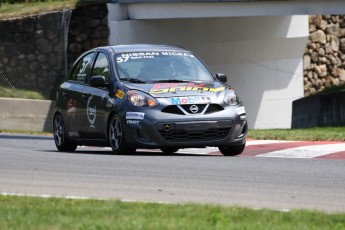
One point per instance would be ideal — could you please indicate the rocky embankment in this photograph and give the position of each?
(324, 56)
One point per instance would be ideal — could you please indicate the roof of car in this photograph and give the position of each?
(143, 47)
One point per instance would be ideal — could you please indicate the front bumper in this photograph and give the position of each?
(157, 129)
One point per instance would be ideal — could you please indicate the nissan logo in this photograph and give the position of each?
(194, 108)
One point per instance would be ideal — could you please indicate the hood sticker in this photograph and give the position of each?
(160, 88)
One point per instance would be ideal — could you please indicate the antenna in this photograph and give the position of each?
(118, 40)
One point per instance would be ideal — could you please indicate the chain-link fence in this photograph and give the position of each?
(33, 58)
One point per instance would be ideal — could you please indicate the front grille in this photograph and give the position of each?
(185, 109)
(212, 108)
(172, 109)
(182, 135)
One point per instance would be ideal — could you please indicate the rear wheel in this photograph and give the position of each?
(169, 150)
(116, 137)
(232, 150)
(60, 137)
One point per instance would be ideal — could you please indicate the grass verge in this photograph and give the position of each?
(24, 9)
(55, 213)
(310, 134)
(26, 132)
(6, 91)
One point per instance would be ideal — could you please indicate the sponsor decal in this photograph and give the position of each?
(135, 116)
(240, 110)
(119, 94)
(91, 112)
(142, 55)
(160, 88)
(133, 123)
(85, 63)
(190, 100)
(73, 134)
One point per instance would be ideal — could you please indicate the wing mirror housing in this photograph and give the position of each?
(98, 81)
(222, 77)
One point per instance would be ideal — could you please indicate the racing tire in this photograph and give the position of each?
(116, 137)
(232, 150)
(169, 150)
(60, 137)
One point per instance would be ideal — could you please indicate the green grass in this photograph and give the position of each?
(6, 91)
(310, 134)
(24, 9)
(55, 213)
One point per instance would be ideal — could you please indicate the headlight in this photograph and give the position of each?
(231, 98)
(138, 98)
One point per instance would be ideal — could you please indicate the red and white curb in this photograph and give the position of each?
(273, 148)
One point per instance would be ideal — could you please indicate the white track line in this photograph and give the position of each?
(265, 142)
(306, 151)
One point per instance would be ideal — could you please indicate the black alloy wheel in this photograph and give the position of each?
(116, 137)
(60, 137)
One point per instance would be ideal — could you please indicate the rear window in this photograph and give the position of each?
(82, 68)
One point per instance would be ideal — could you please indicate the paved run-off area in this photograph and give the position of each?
(292, 175)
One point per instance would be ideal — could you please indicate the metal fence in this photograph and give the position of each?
(33, 58)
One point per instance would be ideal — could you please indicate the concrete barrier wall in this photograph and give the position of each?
(24, 114)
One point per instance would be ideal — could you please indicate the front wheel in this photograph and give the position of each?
(232, 150)
(60, 137)
(116, 137)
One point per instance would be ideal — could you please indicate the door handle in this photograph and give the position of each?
(85, 97)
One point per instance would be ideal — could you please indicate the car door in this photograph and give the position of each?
(95, 100)
(71, 92)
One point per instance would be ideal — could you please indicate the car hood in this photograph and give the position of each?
(161, 90)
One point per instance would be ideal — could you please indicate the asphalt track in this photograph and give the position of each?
(269, 174)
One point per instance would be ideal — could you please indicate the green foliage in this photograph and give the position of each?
(53, 213)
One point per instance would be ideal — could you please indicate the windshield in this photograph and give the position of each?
(155, 66)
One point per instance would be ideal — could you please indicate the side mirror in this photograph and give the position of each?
(221, 77)
(98, 81)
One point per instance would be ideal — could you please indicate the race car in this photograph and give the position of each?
(149, 97)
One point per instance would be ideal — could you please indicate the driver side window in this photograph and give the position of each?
(101, 67)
